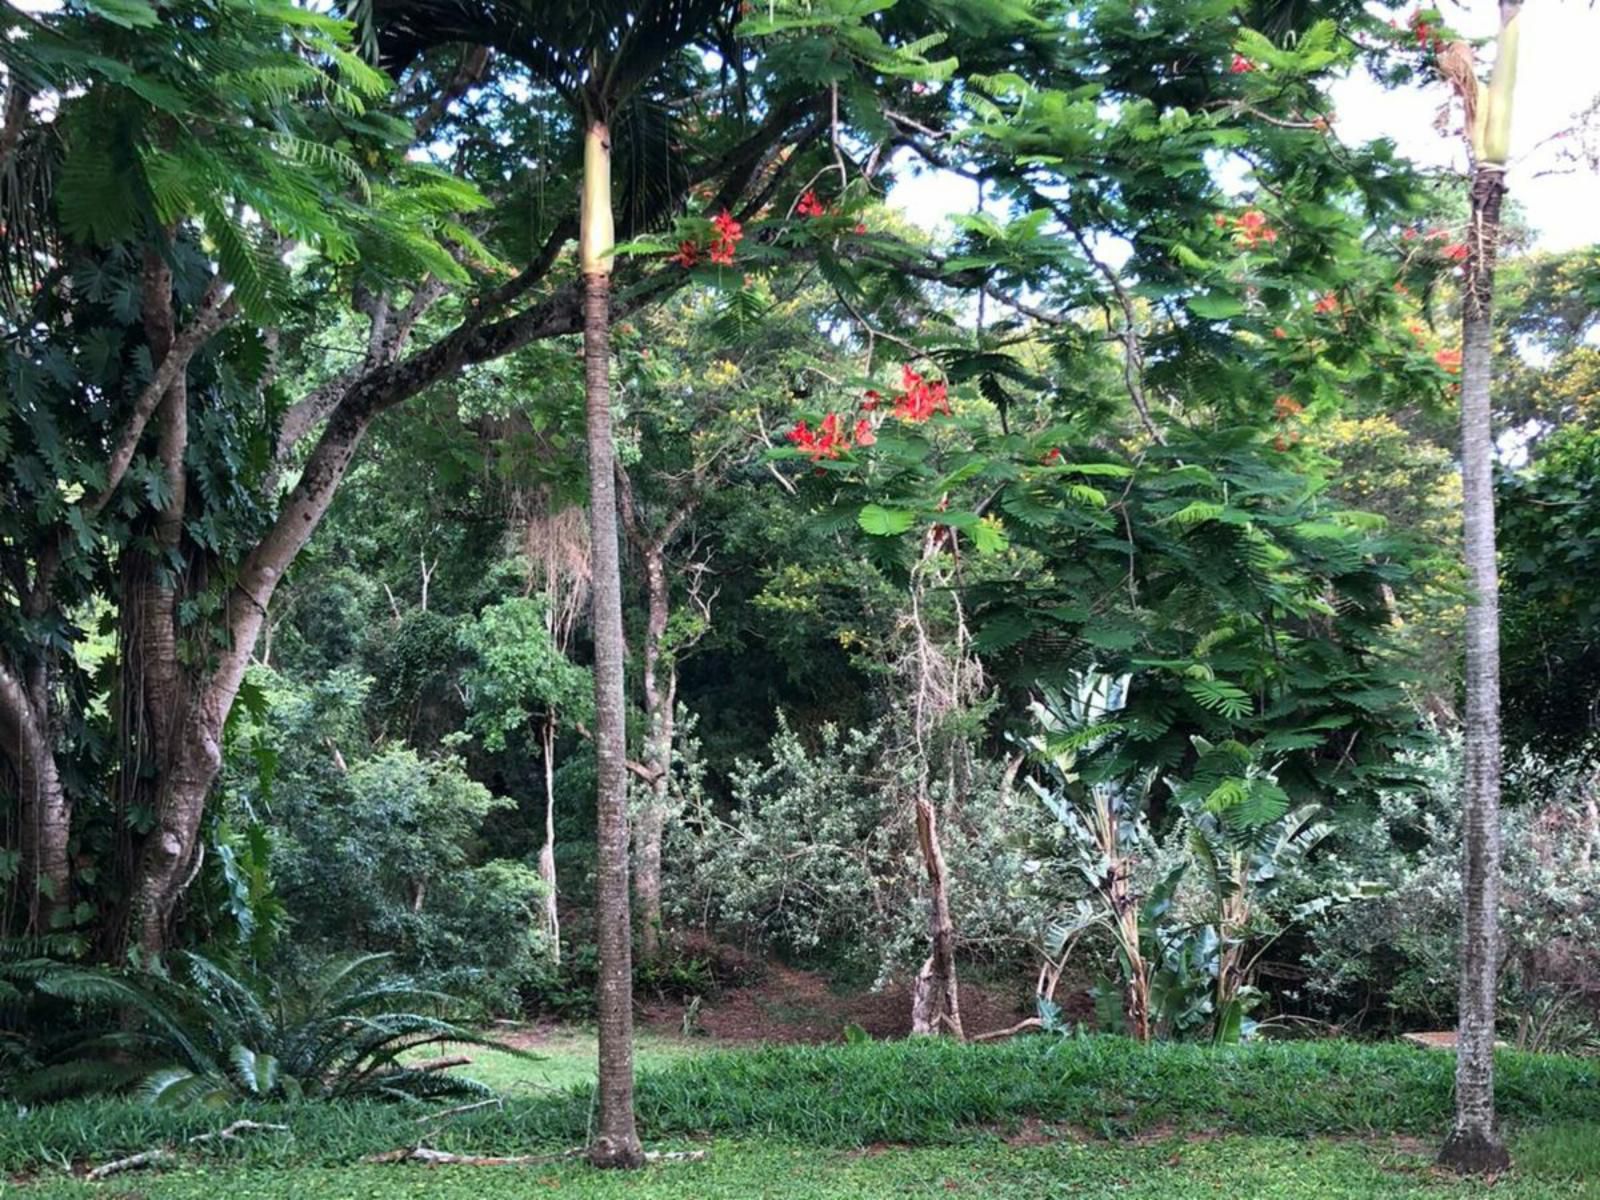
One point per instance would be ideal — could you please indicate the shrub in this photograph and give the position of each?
(204, 1035)
(1398, 953)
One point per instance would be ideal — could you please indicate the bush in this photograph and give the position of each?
(205, 1035)
(1398, 954)
(818, 858)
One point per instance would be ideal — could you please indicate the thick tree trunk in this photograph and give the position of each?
(936, 1002)
(616, 1140)
(659, 698)
(44, 811)
(1474, 1144)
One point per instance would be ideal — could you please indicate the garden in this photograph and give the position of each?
(808, 598)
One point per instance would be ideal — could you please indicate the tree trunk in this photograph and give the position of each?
(616, 1141)
(547, 852)
(658, 705)
(1474, 1144)
(45, 813)
(935, 1002)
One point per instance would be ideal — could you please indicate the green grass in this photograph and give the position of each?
(917, 1093)
(564, 1060)
(1172, 1169)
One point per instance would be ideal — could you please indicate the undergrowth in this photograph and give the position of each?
(914, 1092)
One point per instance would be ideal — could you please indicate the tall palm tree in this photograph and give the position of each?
(602, 57)
(1474, 1144)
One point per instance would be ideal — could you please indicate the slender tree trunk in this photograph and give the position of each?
(616, 1140)
(658, 702)
(547, 852)
(936, 1002)
(1474, 1144)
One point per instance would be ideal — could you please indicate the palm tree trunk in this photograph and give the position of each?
(616, 1141)
(1474, 1145)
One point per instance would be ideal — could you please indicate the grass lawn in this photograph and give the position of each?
(1170, 1169)
(1037, 1116)
(563, 1059)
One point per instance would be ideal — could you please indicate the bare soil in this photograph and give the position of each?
(792, 1005)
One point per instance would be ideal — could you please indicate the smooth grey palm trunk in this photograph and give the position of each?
(1474, 1143)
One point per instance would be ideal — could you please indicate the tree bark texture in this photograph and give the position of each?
(936, 1002)
(616, 1141)
(1474, 1143)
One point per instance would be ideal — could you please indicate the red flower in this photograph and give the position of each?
(1327, 303)
(1279, 443)
(1284, 407)
(828, 440)
(1408, 235)
(1053, 457)
(728, 233)
(870, 399)
(1448, 360)
(809, 205)
(1251, 228)
(1241, 65)
(919, 399)
(861, 226)
(1278, 331)
(1456, 252)
(688, 254)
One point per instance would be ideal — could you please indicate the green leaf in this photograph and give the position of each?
(1216, 306)
(885, 522)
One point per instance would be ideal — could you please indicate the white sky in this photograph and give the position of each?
(1556, 80)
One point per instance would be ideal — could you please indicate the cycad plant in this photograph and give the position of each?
(207, 1035)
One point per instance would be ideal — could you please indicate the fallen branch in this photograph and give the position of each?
(993, 1034)
(149, 1158)
(441, 1064)
(459, 1109)
(144, 1158)
(230, 1132)
(423, 1154)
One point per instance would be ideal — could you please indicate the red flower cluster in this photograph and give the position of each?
(1053, 457)
(810, 206)
(1327, 303)
(1448, 360)
(1241, 65)
(1286, 406)
(1250, 229)
(919, 398)
(1427, 37)
(726, 235)
(1455, 252)
(828, 440)
(729, 232)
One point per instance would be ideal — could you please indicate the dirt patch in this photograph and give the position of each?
(792, 1005)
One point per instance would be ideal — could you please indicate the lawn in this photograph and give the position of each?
(1166, 1169)
(1037, 1116)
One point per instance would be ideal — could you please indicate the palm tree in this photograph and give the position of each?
(1474, 1145)
(601, 57)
